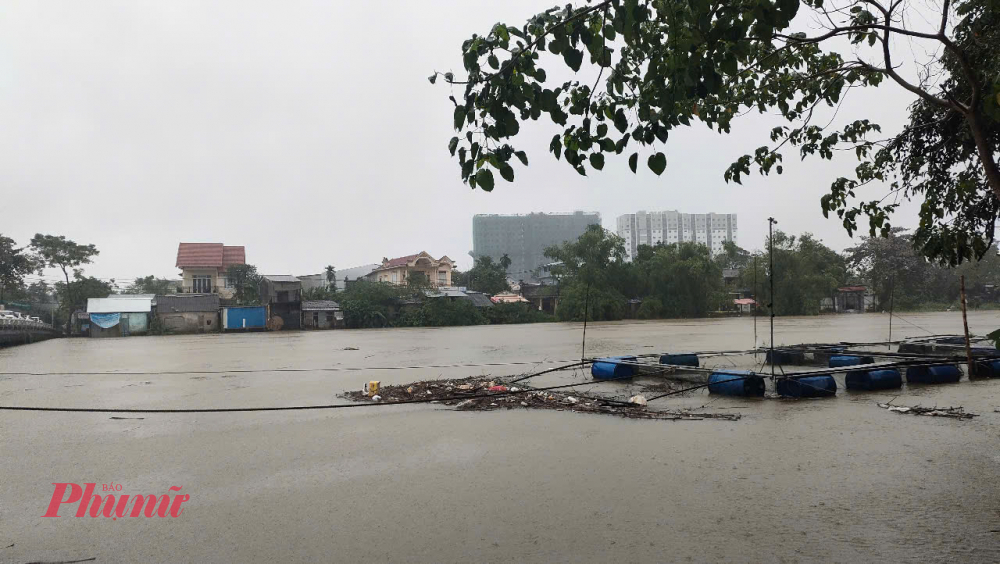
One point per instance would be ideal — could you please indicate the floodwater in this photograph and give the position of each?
(832, 480)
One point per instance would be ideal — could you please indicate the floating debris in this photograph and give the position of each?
(478, 394)
(952, 412)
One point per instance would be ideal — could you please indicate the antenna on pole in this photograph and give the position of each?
(770, 305)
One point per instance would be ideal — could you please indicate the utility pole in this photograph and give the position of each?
(770, 305)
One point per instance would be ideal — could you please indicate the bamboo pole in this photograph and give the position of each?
(965, 322)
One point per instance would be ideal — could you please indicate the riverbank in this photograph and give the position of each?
(822, 480)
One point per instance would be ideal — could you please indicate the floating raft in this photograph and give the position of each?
(736, 383)
(786, 357)
(821, 385)
(838, 361)
(612, 368)
(988, 369)
(868, 380)
(680, 359)
(941, 374)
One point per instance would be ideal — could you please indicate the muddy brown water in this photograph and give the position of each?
(833, 480)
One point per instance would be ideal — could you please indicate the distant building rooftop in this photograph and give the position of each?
(320, 305)
(280, 278)
(119, 305)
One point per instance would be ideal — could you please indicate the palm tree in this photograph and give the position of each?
(331, 275)
(505, 261)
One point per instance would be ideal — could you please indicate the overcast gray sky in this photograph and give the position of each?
(307, 131)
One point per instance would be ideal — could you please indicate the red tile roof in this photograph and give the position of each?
(233, 255)
(400, 261)
(209, 254)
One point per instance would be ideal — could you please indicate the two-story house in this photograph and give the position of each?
(203, 267)
(398, 270)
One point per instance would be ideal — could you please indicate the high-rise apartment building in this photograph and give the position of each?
(524, 238)
(668, 227)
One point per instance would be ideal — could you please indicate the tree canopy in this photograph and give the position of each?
(149, 285)
(245, 281)
(56, 251)
(656, 66)
(485, 276)
(15, 263)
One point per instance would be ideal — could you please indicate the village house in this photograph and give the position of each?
(203, 267)
(282, 293)
(188, 313)
(437, 272)
(321, 314)
(119, 316)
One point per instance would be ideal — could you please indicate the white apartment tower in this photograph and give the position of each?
(668, 227)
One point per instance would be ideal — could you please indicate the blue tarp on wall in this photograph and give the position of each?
(105, 320)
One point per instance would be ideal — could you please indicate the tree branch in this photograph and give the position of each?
(944, 17)
(534, 43)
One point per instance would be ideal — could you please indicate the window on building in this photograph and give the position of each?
(329, 317)
(201, 284)
(315, 318)
(442, 277)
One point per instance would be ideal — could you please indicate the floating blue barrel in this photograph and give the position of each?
(849, 360)
(736, 383)
(942, 374)
(680, 359)
(786, 357)
(824, 353)
(984, 351)
(884, 379)
(611, 368)
(988, 368)
(821, 385)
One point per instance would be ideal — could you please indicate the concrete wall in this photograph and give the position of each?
(189, 322)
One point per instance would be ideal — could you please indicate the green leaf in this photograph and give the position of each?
(484, 178)
(779, 169)
(633, 161)
(507, 172)
(452, 145)
(597, 161)
(621, 122)
(459, 117)
(657, 163)
(573, 58)
(556, 146)
(602, 130)
(493, 61)
(522, 156)
(540, 75)
(432, 78)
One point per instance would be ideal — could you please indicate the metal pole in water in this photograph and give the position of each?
(586, 306)
(755, 303)
(965, 322)
(770, 305)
